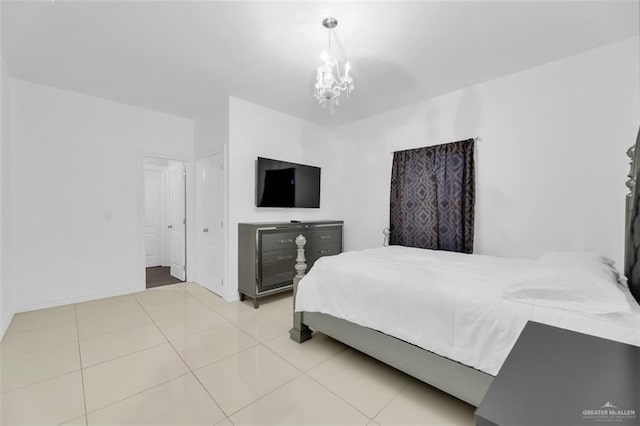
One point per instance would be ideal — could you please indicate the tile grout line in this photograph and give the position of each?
(302, 373)
(228, 322)
(258, 343)
(138, 393)
(121, 330)
(394, 396)
(82, 368)
(191, 371)
(335, 394)
(338, 396)
(30, 351)
(84, 394)
(154, 386)
(183, 360)
(122, 356)
(112, 331)
(408, 377)
(137, 303)
(227, 356)
(78, 339)
(305, 373)
(265, 395)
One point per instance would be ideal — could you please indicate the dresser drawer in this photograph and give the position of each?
(324, 236)
(279, 241)
(277, 267)
(275, 256)
(314, 253)
(271, 277)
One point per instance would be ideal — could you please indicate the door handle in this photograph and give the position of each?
(205, 229)
(170, 226)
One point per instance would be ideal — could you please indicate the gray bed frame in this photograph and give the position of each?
(459, 380)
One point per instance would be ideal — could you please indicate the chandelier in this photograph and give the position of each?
(330, 83)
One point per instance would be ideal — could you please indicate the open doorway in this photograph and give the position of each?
(164, 221)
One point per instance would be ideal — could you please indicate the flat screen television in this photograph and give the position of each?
(283, 184)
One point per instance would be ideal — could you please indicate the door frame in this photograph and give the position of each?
(189, 214)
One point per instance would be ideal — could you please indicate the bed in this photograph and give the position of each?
(470, 325)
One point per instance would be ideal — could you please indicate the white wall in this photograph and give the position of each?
(75, 180)
(211, 131)
(551, 162)
(3, 72)
(258, 131)
(6, 285)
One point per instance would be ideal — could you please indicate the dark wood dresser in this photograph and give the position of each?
(267, 253)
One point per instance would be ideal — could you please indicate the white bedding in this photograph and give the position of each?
(448, 303)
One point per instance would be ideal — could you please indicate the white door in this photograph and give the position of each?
(209, 222)
(177, 216)
(153, 217)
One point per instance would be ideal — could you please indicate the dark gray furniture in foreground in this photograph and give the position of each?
(555, 376)
(267, 253)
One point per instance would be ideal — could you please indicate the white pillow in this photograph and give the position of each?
(583, 287)
(576, 256)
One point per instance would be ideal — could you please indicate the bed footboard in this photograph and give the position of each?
(300, 332)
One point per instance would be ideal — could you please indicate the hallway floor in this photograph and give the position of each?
(159, 275)
(181, 355)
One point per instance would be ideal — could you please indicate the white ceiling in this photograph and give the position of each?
(186, 58)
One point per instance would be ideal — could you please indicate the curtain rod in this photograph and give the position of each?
(475, 139)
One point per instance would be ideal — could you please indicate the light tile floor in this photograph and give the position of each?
(180, 355)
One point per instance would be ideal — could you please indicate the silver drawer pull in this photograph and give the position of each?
(282, 274)
(285, 257)
(325, 237)
(324, 251)
(285, 241)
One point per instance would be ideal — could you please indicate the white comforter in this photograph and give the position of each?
(447, 303)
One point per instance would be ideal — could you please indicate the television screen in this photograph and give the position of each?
(283, 184)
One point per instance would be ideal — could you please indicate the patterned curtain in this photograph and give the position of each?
(432, 197)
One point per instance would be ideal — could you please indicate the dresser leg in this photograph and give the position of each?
(242, 296)
(256, 303)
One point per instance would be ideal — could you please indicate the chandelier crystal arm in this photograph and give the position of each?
(328, 86)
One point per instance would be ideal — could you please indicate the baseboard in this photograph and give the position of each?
(70, 300)
(5, 322)
(234, 298)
